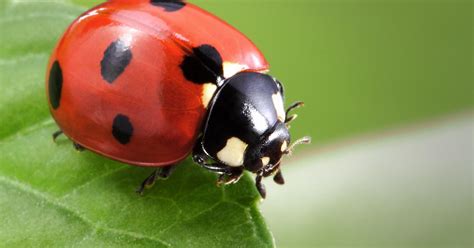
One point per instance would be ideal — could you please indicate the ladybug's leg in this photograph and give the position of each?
(56, 134)
(78, 147)
(278, 178)
(161, 173)
(201, 158)
(232, 177)
(260, 186)
(216, 167)
(166, 171)
(227, 174)
(221, 169)
(148, 182)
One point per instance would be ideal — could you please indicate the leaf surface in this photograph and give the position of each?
(52, 195)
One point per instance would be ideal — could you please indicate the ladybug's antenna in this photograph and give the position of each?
(304, 140)
(294, 105)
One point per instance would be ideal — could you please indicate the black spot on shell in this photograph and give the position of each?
(55, 84)
(203, 65)
(122, 129)
(116, 58)
(169, 5)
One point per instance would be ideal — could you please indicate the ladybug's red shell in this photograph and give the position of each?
(117, 85)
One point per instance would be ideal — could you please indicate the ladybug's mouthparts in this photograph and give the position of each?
(269, 169)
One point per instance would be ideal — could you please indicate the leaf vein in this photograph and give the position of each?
(28, 129)
(190, 218)
(60, 205)
(94, 179)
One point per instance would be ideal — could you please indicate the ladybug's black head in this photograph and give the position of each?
(265, 157)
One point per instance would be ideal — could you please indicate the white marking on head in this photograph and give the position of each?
(230, 69)
(265, 161)
(208, 91)
(233, 152)
(280, 109)
(284, 146)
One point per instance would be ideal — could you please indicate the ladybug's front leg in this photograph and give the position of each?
(260, 186)
(201, 158)
(233, 176)
(160, 173)
(278, 178)
(215, 167)
(227, 174)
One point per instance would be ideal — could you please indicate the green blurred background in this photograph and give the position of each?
(388, 87)
(365, 67)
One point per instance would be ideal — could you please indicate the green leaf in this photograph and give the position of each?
(52, 195)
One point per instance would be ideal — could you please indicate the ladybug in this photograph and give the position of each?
(147, 82)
